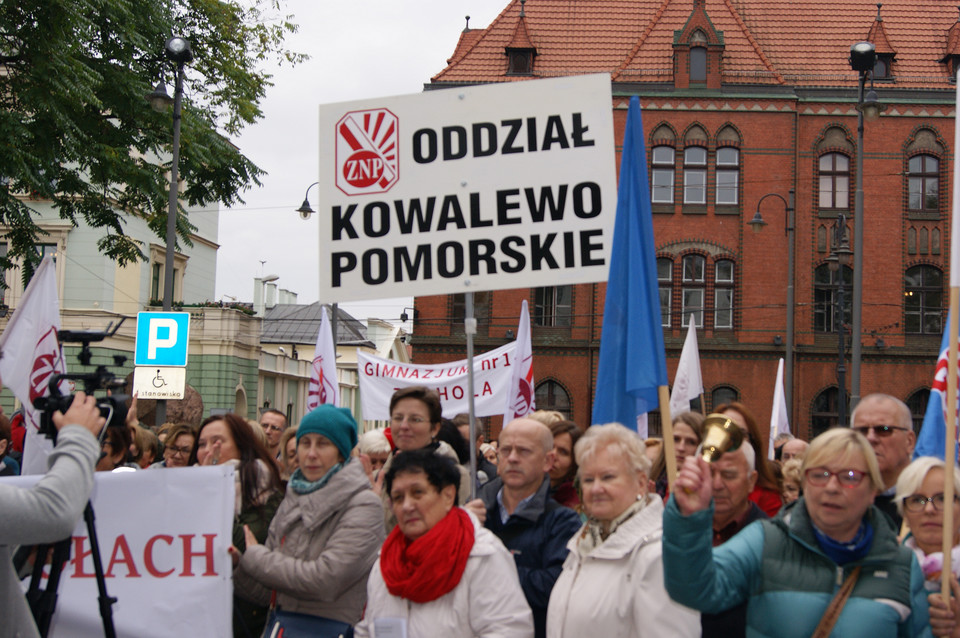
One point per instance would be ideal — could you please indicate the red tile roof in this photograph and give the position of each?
(878, 36)
(766, 42)
(521, 38)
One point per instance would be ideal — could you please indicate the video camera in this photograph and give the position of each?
(112, 406)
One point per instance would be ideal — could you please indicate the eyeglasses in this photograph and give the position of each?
(882, 431)
(174, 450)
(269, 427)
(413, 418)
(820, 476)
(918, 502)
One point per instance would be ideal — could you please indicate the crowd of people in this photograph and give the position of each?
(572, 531)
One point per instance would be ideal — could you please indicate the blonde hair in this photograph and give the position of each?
(258, 431)
(913, 475)
(288, 434)
(836, 443)
(546, 417)
(599, 437)
(791, 471)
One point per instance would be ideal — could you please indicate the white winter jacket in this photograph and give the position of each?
(486, 603)
(617, 590)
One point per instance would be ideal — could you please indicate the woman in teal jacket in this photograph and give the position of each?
(789, 568)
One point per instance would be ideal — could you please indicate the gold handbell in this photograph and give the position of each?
(720, 434)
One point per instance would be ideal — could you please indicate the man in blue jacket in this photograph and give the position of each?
(533, 526)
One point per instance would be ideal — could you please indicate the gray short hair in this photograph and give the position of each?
(913, 475)
(598, 437)
(374, 442)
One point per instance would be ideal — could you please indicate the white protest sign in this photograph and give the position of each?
(163, 537)
(469, 188)
(379, 378)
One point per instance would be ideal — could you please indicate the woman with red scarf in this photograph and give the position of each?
(440, 572)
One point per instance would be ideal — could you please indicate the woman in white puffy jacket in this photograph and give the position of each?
(440, 573)
(612, 581)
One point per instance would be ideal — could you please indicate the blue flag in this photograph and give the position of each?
(633, 362)
(933, 433)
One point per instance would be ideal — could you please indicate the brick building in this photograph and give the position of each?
(743, 99)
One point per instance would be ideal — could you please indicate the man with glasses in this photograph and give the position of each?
(885, 421)
(273, 422)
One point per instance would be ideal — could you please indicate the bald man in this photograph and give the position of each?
(533, 526)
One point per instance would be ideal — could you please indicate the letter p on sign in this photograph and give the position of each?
(162, 339)
(158, 326)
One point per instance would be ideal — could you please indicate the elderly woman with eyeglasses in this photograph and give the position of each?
(415, 418)
(829, 551)
(920, 501)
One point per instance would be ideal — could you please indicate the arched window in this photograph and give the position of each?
(665, 284)
(695, 175)
(834, 181)
(723, 294)
(923, 300)
(694, 280)
(917, 402)
(550, 395)
(924, 184)
(825, 410)
(723, 394)
(825, 294)
(698, 64)
(662, 174)
(728, 176)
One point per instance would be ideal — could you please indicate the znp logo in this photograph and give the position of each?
(367, 152)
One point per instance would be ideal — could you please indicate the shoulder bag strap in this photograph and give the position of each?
(836, 605)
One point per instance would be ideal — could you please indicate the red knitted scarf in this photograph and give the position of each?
(427, 568)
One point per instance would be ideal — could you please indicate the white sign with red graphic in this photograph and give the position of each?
(163, 537)
(493, 371)
(473, 188)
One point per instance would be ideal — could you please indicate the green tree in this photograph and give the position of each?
(75, 128)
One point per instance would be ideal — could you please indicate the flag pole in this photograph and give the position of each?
(669, 454)
(950, 455)
(949, 449)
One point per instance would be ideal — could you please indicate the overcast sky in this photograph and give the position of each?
(359, 49)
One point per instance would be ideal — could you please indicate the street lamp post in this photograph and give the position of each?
(863, 57)
(178, 51)
(837, 261)
(306, 211)
(757, 223)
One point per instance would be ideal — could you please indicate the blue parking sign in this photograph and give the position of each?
(162, 339)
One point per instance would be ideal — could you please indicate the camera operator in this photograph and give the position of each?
(49, 511)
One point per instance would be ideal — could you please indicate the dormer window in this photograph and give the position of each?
(520, 61)
(883, 68)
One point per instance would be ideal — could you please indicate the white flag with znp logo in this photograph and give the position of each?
(31, 356)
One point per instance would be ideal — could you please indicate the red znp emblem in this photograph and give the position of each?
(367, 152)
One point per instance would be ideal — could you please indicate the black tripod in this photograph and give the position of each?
(43, 602)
